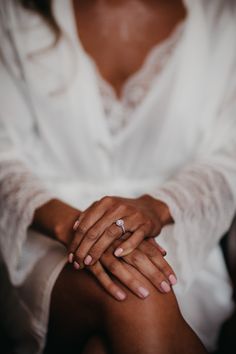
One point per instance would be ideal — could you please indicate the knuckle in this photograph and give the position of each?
(121, 207)
(113, 267)
(153, 252)
(107, 200)
(164, 267)
(167, 270)
(110, 233)
(138, 215)
(156, 277)
(92, 236)
(137, 258)
(98, 272)
(81, 229)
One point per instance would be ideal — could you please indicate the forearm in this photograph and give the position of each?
(55, 219)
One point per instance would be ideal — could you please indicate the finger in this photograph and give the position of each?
(81, 254)
(121, 272)
(156, 244)
(135, 239)
(144, 265)
(91, 215)
(114, 213)
(153, 253)
(112, 233)
(86, 218)
(109, 285)
(104, 232)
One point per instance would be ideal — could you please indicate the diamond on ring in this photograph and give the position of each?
(121, 224)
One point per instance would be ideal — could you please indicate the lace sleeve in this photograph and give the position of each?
(202, 198)
(20, 194)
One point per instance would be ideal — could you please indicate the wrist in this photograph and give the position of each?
(56, 219)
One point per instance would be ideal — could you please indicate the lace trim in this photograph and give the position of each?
(118, 110)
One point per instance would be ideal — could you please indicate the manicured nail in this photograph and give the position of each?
(118, 252)
(165, 287)
(70, 257)
(88, 260)
(172, 279)
(76, 224)
(76, 265)
(143, 292)
(120, 295)
(163, 251)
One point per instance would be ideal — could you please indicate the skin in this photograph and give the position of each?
(142, 315)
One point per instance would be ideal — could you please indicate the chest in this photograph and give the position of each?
(119, 35)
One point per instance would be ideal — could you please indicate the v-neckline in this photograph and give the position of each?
(73, 31)
(130, 78)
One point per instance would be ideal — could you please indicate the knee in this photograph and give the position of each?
(148, 323)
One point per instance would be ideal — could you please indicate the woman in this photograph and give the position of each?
(117, 128)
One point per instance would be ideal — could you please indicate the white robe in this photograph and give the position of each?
(180, 146)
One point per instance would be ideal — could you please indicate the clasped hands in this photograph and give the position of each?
(97, 244)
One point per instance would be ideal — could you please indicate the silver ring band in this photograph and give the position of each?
(120, 223)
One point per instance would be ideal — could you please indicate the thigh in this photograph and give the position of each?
(80, 309)
(75, 311)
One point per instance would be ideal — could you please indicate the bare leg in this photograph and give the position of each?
(81, 309)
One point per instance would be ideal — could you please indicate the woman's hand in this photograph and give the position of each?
(147, 260)
(96, 229)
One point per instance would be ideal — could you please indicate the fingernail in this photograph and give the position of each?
(163, 251)
(76, 224)
(88, 260)
(118, 252)
(172, 279)
(143, 292)
(120, 295)
(70, 257)
(165, 287)
(76, 265)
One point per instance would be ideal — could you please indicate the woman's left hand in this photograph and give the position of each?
(146, 261)
(96, 228)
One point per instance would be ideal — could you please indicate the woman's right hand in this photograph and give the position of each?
(147, 259)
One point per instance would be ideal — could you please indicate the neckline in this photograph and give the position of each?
(71, 29)
(158, 46)
(155, 51)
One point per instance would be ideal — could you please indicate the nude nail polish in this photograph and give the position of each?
(143, 292)
(76, 265)
(118, 252)
(120, 295)
(70, 257)
(165, 286)
(88, 260)
(76, 224)
(172, 279)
